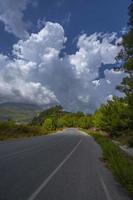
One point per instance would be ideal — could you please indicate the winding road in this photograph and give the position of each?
(62, 166)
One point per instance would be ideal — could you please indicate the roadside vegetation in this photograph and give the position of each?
(117, 161)
(10, 130)
(55, 117)
(116, 116)
(44, 123)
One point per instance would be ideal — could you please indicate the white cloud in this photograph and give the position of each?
(11, 14)
(92, 53)
(37, 74)
(125, 30)
(37, 45)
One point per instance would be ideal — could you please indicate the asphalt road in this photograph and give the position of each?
(64, 166)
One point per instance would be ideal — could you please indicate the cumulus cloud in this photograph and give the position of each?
(11, 14)
(93, 51)
(38, 74)
(49, 40)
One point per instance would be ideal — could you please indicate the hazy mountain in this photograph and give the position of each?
(20, 112)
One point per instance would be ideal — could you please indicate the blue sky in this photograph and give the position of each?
(76, 16)
(61, 51)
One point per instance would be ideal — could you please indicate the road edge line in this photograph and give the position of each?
(46, 181)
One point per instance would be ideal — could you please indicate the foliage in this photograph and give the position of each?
(46, 121)
(53, 112)
(125, 137)
(49, 125)
(75, 120)
(9, 130)
(68, 120)
(85, 122)
(112, 117)
(126, 55)
(116, 116)
(65, 121)
(120, 164)
(56, 117)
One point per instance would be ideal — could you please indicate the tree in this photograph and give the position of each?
(112, 117)
(53, 112)
(66, 121)
(126, 55)
(49, 125)
(85, 122)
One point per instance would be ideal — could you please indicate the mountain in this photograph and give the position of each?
(52, 112)
(55, 113)
(20, 112)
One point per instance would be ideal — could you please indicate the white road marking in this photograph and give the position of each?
(105, 189)
(45, 182)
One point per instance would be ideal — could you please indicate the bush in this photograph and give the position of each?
(68, 120)
(120, 164)
(85, 122)
(49, 125)
(10, 130)
(112, 117)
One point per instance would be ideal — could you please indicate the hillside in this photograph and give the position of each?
(20, 112)
(53, 112)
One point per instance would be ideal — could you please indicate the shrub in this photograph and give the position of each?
(112, 117)
(49, 125)
(120, 164)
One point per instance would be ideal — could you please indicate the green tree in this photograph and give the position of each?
(49, 125)
(85, 122)
(65, 121)
(112, 117)
(61, 122)
(53, 112)
(126, 55)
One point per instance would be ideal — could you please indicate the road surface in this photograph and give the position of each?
(63, 166)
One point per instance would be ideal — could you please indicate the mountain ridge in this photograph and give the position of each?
(20, 112)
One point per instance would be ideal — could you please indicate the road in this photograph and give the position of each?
(63, 166)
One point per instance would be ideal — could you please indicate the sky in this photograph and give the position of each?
(61, 51)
